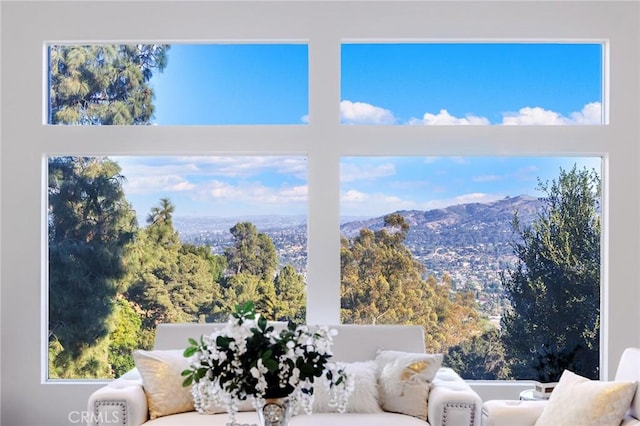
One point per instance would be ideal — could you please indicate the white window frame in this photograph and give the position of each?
(27, 28)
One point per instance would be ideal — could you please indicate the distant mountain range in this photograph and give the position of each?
(457, 227)
(470, 242)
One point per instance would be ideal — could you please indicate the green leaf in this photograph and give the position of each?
(188, 352)
(262, 323)
(187, 382)
(270, 364)
(223, 342)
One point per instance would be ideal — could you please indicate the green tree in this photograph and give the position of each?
(160, 224)
(381, 282)
(91, 226)
(244, 287)
(252, 252)
(103, 84)
(553, 321)
(290, 291)
(479, 358)
(124, 338)
(457, 315)
(175, 282)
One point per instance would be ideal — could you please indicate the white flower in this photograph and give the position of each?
(240, 366)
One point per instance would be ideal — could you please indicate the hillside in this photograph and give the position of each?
(469, 242)
(455, 228)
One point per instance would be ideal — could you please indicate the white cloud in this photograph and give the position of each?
(444, 118)
(152, 184)
(476, 197)
(253, 193)
(245, 166)
(590, 114)
(534, 116)
(352, 196)
(364, 113)
(295, 193)
(488, 178)
(356, 203)
(352, 172)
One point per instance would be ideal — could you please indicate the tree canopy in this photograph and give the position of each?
(91, 227)
(554, 291)
(382, 283)
(103, 84)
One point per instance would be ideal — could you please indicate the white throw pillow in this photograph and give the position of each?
(363, 399)
(404, 380)
(577, 400)
(162, 382)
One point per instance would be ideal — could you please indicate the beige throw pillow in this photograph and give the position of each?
(577, 400)
(162, 382)
(404, 380)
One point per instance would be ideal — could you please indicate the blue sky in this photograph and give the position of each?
(232, 84)
(479, 84)
(472, 83)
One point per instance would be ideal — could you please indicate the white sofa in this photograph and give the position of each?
(527, 413)
(451, 402)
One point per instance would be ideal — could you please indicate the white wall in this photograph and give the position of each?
(27, 399)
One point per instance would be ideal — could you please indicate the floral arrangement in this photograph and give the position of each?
(249, 358)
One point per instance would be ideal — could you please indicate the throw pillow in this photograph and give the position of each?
(162, 382)
(404, 380)
(577, 400)
(363, 399)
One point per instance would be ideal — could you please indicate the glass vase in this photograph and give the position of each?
(275, 412)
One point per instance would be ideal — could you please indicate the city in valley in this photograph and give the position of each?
(469, 243)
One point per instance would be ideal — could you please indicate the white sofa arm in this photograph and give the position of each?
(120, 403)
(511, 412)
(452, 402)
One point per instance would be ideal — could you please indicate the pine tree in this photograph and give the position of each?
(290, 295)
(175, 282)
(252, 252)
(554, 291)
(91, 226)
(103, 84)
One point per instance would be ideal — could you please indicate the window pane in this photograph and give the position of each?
(136, 241)
(178, 84)
(472, 83)
(498, 258)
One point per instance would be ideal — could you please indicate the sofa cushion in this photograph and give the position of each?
(404, 380)
(162, 382)
(315, 419)
(577, 400)
(363, 399)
